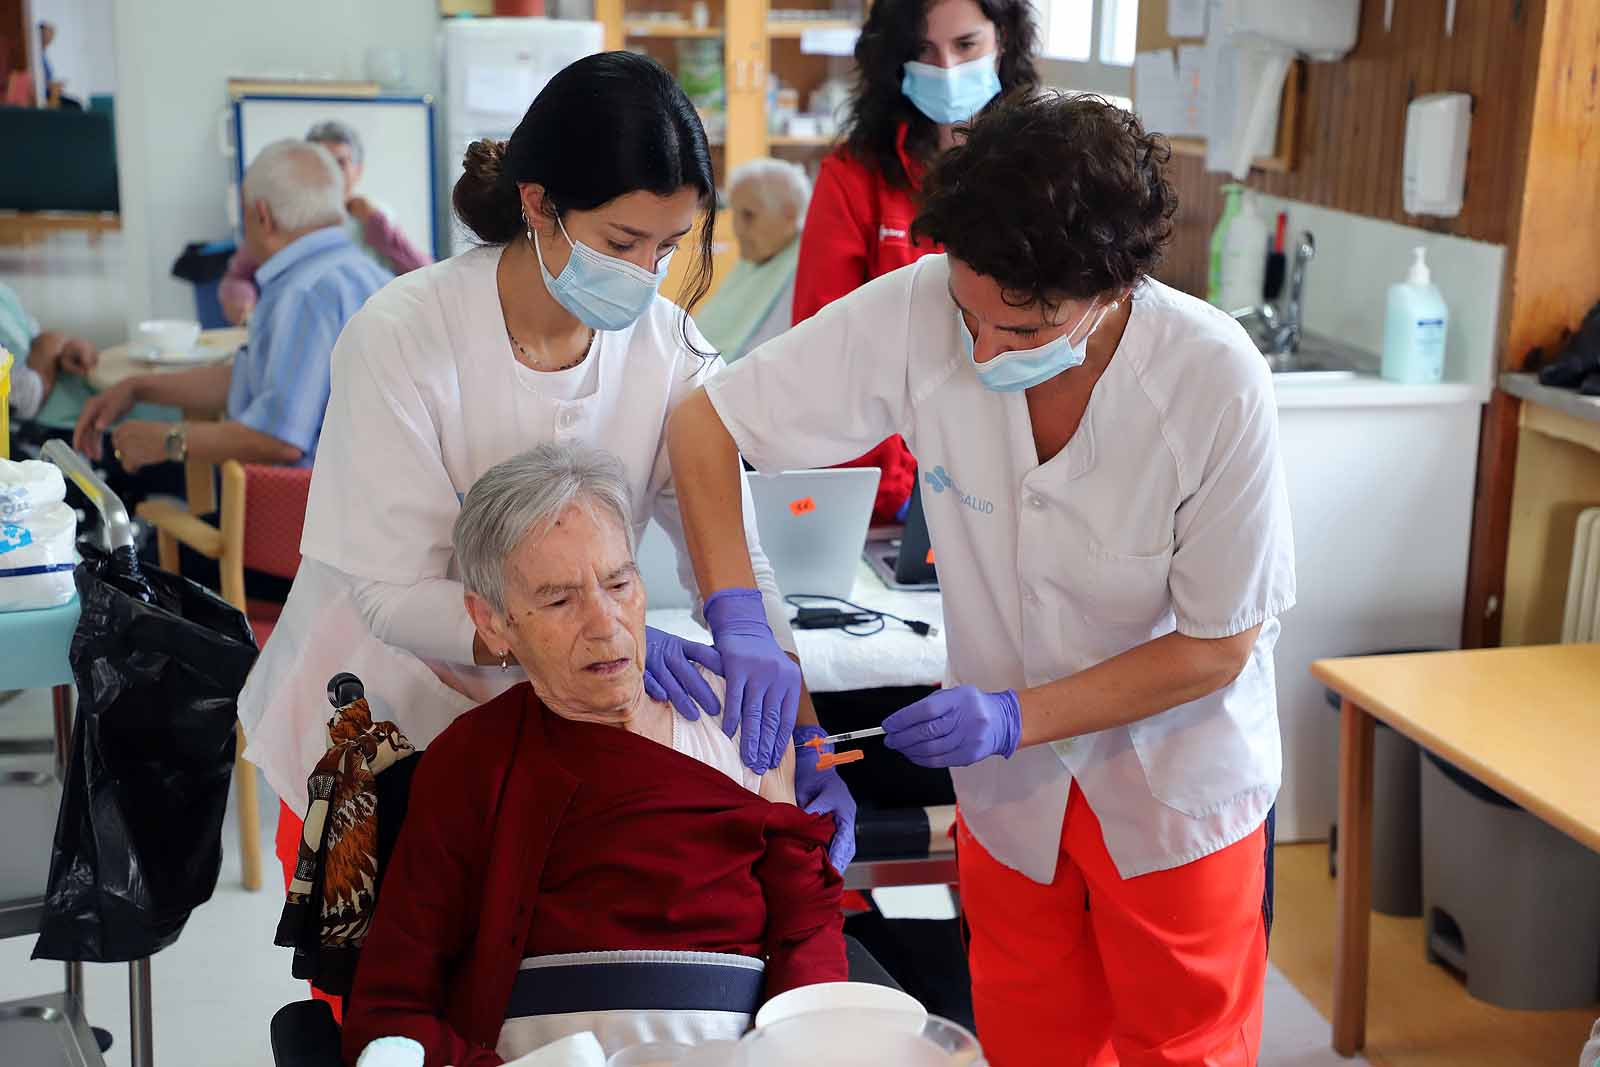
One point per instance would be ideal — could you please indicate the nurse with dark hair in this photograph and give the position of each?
(552, 331)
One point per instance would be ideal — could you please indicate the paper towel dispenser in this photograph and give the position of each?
(1438, 127)
(1321, 29)
(1266, 36)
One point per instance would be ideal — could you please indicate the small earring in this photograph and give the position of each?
(505, 660)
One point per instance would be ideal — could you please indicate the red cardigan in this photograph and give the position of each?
(513, 846)
(858, 228)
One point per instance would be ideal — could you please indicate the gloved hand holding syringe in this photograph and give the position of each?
(826, 760)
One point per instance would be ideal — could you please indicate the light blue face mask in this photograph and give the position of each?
(952, 94)
(1024, 368)
(604, 292)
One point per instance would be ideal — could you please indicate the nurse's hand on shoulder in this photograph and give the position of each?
(763, 692)
(956, 727)
(670, 673)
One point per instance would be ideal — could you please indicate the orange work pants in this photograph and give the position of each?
(1094, 970)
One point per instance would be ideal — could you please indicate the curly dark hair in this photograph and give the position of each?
(888, 41)
(1056, 197)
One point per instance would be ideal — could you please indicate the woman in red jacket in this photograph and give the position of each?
(925, 68)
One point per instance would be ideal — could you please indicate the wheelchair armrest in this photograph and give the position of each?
(305, 1035)
(863, 966)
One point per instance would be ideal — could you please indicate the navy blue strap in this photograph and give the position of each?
(43, 568)
(635, 987)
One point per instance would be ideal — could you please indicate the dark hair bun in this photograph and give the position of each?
(486, 201)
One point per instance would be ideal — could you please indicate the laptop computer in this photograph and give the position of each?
(906, 563)
(813, 524)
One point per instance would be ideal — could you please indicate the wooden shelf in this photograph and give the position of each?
(665, 29)
(797, 27)
(800, 142)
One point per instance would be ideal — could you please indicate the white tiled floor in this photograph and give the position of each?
(216, 989)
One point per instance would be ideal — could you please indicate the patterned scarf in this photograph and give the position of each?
(333, 895)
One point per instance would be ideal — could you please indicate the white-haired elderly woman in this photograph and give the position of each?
(367, 222)
(767, 198)
(573, 827)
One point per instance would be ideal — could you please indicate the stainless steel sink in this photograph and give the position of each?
(1322, 359)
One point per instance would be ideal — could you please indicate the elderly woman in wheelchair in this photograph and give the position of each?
(576, 856)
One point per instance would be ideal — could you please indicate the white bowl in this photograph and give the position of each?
(860, 1037)
(832, 996)
(169, 335)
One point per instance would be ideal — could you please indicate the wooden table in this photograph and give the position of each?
(116, 364)
(1524, 721)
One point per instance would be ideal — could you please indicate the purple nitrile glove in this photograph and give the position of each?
(956, 727)
(670, 674)
(763, 693)
(824, 793)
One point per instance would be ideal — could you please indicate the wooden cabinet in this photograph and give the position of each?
(755, 42)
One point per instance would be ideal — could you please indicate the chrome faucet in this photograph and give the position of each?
(1275, 332)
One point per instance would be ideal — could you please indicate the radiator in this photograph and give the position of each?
(1581, 623)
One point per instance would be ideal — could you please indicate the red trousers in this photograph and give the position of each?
(1095, 970)
(286, 843)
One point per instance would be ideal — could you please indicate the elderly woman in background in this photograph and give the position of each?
(368, 225)
(576, 815)
(768, 199)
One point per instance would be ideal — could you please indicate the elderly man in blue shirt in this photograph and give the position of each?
(275, 392)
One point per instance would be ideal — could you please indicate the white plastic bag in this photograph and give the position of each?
(28, 486)
(37, 537)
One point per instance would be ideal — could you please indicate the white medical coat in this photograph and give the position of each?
(1167, 510)
(426, 397)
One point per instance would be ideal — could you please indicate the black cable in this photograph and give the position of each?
(849, 621)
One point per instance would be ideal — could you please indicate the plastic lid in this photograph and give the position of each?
(1420, 275)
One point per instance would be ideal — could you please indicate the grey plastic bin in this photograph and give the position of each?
(1508, 899)
(1396, 817)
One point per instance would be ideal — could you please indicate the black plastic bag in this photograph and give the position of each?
(138, 841)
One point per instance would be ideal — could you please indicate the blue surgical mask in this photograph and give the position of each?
(604, 292)
(952, 94)
(1024, 368)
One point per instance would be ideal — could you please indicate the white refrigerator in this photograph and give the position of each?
(493, 68)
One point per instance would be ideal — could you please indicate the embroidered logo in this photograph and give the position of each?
(891, 233)
(939, 480)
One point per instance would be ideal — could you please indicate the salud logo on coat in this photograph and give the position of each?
(939, 481)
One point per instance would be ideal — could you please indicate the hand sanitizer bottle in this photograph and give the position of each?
(1415, 327)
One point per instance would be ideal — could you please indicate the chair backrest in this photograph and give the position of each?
(274, 517)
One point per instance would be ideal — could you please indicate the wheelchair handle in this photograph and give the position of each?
(344, 689)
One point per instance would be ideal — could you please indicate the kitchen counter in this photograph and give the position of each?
(1370, 391)
(1567, 401)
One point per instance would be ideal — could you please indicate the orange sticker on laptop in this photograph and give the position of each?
(930, 557)
(804, 506)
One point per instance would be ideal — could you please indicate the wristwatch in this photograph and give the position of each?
(178, 442)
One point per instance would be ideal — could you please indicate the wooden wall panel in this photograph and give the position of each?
(1353, 114)
(1552, 198)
